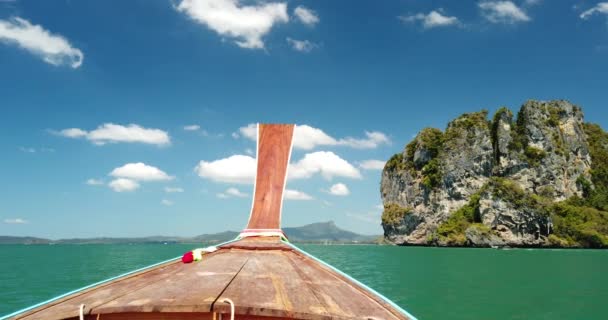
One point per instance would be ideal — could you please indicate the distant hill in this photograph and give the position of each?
(106, 240)
(216, 237)
(324, 231)
(22, 240)
(311, 233)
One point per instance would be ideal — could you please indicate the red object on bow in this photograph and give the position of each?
(187, 257)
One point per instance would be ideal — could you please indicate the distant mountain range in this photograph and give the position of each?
(320, 232)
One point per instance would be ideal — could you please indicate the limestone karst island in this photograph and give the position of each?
(534, 178)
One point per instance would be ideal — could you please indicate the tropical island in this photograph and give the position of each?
(537, 179)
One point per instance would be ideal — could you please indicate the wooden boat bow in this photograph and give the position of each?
(264, 276)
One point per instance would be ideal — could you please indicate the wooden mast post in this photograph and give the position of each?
(273, 153)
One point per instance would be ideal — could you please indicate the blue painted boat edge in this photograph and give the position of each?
(387, 300)
(96, 284)
(84, 288)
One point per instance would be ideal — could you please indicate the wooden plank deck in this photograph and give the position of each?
(275, 281)
(193, 288)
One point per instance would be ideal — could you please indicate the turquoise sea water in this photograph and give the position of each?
(431, 283)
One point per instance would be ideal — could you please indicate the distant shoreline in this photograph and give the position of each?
(321, 232)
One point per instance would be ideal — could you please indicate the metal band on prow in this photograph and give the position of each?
(273, 154)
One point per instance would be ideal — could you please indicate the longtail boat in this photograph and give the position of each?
(258, 276)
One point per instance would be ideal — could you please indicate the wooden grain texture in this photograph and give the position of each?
(284, 283)
(275, 281)
(169, 316)
(274, 147)
(258, 243)
(152, 316)
(69, 306)
(193, 288)
(341, 298)
(268, 285)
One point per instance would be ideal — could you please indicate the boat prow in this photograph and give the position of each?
(258, 276)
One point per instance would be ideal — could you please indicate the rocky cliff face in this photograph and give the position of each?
(483, 182)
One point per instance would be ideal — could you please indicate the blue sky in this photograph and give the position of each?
(98, 97)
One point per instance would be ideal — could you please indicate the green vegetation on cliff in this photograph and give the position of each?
(522, 168)
(452, 231)
(395, 163)
(393, 214)
(598, 147)
(500, 113)
(471, 120)
(466, 123)
(579, 226)
(431, 174)
(574, 223)
(429, 139)
(511, 192)
(584, 221)
(534, 155)
(519, 138)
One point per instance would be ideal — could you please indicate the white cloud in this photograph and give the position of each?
(306, 16)
(373, 140)
(27, 150)
(325, 163)
(232, 193)
(306, 137)
(192, 127)
(73, 133)
(15, 221)
(234, 169)
(250, 131)
(296, 195)
(235, 135)
(339, 189)
(379, 206)
(530, 3)
(52, 48)
(246, 24)
(249, 151)
(123, 185)
(141, 172)
(601, 7)
(94, 182)
(301, 45)
(241, 169)
(35, 150)
(372, 164)
(236, 193)
(112, 133)
(173, 190)
(502, 12)
(433, 19)
(166, 202)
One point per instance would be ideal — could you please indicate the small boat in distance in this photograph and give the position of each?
(258, 276)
